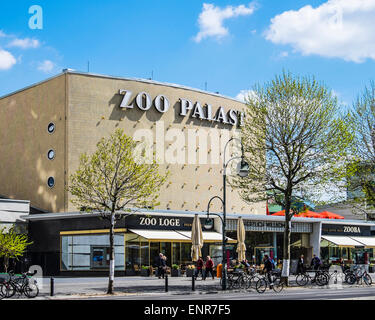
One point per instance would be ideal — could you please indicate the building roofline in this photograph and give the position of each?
(73, 215)
(89, 74)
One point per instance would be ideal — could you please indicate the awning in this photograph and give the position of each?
(367, 241)
(177, 235)
(342, 241)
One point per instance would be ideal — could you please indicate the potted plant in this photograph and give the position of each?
(145, 271)
(371, 268)
(175, 272)
(190, 270)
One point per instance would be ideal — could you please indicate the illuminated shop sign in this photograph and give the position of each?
(161, 103)
(269, 226)
(345, 230)
(161, 222)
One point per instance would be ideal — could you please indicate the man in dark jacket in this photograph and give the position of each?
(300, 265)
(161, 263)
(315, 263)
(268, 267)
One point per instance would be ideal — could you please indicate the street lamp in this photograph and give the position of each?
(242, 170)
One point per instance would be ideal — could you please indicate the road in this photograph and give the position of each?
(349, 293)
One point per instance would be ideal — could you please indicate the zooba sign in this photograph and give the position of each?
(345, 230)
(144, 102)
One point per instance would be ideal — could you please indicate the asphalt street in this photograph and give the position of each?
(151, 288)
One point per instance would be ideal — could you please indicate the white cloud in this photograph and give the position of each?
(245, 94)
(211, 19)
(24, 43)
(7, 60)
(337, 28)
(46, 66)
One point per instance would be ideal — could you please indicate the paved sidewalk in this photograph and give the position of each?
(137, 286)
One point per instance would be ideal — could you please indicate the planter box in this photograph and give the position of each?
(145, 272)
(175, 272)
(190, 272)
(130, 273)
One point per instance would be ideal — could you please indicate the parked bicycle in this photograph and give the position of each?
(264, 283)
(19, 284)
(321, 278)
(358, 275)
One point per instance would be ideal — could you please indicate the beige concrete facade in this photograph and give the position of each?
(91, 106)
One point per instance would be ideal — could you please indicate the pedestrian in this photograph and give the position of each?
(199, 268)
(268, 267)
(161, 263)
(300, 266)
(209, 268)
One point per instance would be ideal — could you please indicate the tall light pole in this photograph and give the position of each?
(242, 171)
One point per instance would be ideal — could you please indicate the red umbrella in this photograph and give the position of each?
(309, 214)
(279, 213)
(330, 215)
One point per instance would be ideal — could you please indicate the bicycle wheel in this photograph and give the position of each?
(261, 285)
(31, 290)
(367, 279)
(302, 280)
(322, 279)
(351, 278)
(8, 290)
(278, 286)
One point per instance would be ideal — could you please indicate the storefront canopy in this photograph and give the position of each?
(163, 235)
(369, 242)
(342, 241)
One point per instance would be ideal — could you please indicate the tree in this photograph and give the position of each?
(12, 245)
(112, 180)
(362, 184)
(296, 143)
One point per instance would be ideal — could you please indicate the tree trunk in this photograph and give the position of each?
(6, 264)
(286, 240)
(111, 255)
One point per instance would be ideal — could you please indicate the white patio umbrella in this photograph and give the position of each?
(196, 239)
(241, 248)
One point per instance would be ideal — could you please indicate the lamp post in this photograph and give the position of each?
(242, 171)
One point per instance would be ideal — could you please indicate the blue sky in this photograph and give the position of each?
(231, 45)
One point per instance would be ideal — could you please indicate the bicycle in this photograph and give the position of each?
(276, 284)
(321, 278)
(20, 285)
(356, 275)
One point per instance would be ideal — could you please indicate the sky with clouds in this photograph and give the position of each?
(224, 46)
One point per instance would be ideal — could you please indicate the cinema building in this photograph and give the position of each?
(47, 126)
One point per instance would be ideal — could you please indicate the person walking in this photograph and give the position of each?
(209, 268)
(199, 268)
(161, 263)
(300, 266)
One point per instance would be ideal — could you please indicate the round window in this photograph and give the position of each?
(51, 154)
(51, 182)
(51, 127)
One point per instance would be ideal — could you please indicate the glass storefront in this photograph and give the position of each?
(259, 244)
(330, 253)
(91, 252)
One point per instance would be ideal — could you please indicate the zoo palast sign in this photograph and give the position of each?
(144, 102)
